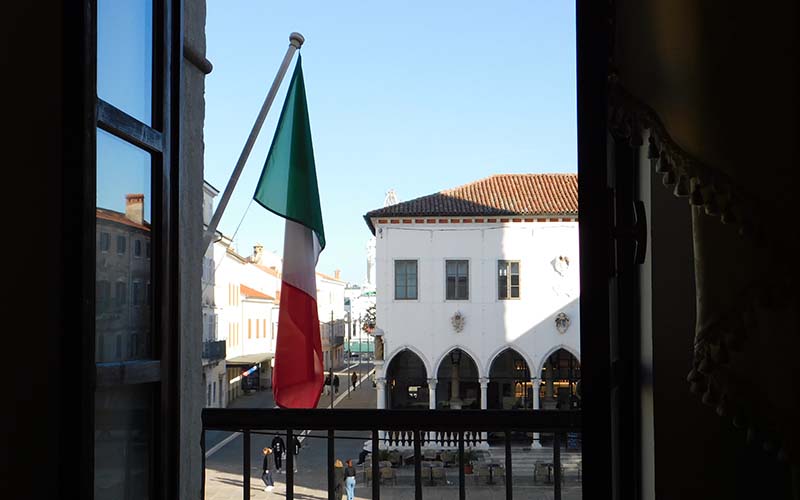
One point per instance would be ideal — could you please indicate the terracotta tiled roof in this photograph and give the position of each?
(120, 218)
(249, 292)
(269, 270)
(327, 277)
(501, 194)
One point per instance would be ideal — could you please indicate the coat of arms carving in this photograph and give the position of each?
(562, 322)
(458, 321)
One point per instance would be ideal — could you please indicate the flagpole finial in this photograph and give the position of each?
(296, 39)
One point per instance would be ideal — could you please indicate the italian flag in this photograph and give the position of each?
(288, 187)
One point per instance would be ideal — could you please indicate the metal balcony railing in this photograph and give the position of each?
(412, 430)
(214, 350)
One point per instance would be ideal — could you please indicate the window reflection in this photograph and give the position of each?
(125, 56)
(123, 309)
(123, 442)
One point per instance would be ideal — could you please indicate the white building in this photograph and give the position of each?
(477, 296)
(215, 379)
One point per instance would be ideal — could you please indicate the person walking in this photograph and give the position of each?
(295, 450)
(354, 379)
(278, 449)
(338, 479)
(327, 384)
(350, 480)
(336, 383)
(268, 465)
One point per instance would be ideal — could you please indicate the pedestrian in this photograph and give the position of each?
(296, 451)
(336, 383)
(350, 480)
(327, 384)
(267, 467)
(338, 479)
(278, 449)
(354, 379)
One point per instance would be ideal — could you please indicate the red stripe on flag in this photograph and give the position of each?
(298, 374)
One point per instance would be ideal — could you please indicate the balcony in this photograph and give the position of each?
(213, 350)
(420, 453)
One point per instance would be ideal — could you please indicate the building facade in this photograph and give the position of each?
(478, 296)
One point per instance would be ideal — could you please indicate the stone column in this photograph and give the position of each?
(484, 381)
(535, 384)
(432, 393)
(380, 386)
(484, 392)
(455, 400)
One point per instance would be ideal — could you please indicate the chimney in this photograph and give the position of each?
(134, 207)
(258, 253)
(337, 273)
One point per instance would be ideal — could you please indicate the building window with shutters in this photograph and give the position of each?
(507, 279)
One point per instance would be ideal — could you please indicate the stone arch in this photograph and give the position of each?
(509, 384)
(458, 384)
(407, 347)
(551, 351)
(465, 350)
(500, 350)
(406, 380)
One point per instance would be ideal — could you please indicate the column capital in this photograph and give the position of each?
(484, 381)
(535, 379)
(380, 380)
(433, 381)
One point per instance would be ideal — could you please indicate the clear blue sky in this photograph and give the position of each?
(415, 96)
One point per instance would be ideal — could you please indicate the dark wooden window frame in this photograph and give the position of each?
(405, 285)
(455, 289)
(508, 279)
(82, 114)
(79, 115)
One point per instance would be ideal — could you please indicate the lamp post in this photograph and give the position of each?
(455, 400)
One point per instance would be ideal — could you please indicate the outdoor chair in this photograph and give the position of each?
(429, 455)
(368, 474)
(388, 474)
(395, 458)
(384, 463)
(438, 474)
(481, 473)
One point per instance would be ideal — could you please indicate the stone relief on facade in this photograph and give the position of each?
(458, 321)
(562, 323)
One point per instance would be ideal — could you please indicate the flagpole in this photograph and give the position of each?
(295, 42)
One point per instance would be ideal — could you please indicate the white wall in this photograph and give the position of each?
(492, 324)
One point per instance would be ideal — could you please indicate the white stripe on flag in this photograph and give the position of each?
(300, 253)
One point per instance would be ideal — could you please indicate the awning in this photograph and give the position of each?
(250, 359)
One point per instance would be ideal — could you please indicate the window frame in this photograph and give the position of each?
(455, 290)
(394, 280)
(85, 114)
(509, 286)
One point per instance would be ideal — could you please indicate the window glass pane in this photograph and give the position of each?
(463, 268)
(502, 292)
(451, 268)
(451, 287)
(125, 56)
(515, 267)
(122, 323)
(515, 292)
(399, 292)
(515, 280)
(123, 441)
(412, 291)
(462, 289)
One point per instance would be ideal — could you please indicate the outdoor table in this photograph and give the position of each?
(491, 467)
(549, 466)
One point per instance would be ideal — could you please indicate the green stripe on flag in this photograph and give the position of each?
(288, 183)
